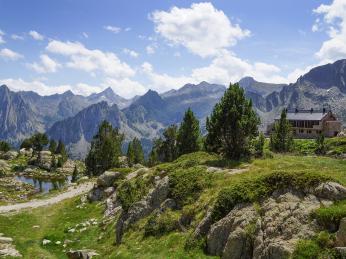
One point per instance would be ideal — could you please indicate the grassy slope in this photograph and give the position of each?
(54, 221)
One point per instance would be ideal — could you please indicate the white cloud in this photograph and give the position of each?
(163, 82)
(334, 23)
(112, 29)
(36, 36)
(85, 35)
(46, 65)
(202, 28)
(2, 41)
(88, 60)
(227, 68)
(150, 49)
(16, 37)
(131, 53)
(127, 29)
(8, 54)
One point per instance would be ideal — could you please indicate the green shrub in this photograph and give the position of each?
(255, 188)
(159, 224)
(186, 184)
(331, 216)
(132, 191)
(306, 249)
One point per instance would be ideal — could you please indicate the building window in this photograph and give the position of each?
(309, 131)
(301, 131)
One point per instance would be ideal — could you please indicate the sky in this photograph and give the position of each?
(132, 46)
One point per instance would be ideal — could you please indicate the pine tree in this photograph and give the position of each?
(130, 154)
(52, 146)
(74, 174)
(138, 151)
(320, 145)
(168, 149)
(281, 139)
(259, 145)
(61, 150)
(4, 146)
(188, 134)
(105, 149)
(232, 125)
(38, 141)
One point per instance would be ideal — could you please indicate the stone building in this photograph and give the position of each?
(311, 123)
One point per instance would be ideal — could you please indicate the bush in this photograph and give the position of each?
(4, 146)
(255, 188)
(186, 184)
(306, 249)
(331, 216)
(159, 224)
(132, 191)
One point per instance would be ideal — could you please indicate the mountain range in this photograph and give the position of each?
(74, 118)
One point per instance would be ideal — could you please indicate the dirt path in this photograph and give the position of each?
(70, 193)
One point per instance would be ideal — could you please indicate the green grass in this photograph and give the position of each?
(193, 187)
(334, 146)
(331, 216)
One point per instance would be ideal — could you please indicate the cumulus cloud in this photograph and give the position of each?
(2, 41)
(90, 60)
(334, 23)
(202, 29)
(112, 29)
(16, 37)
(36, 36)
(8, 54)
(46, 65)
(163, 82)
(150, 49)
(131, 53)
(227, 68)
(126, 87)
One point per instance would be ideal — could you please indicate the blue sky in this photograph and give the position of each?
(132, 46)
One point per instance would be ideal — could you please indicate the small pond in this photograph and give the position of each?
(44, 186)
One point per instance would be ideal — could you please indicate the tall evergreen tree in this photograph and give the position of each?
(168, 148)
(281, 139)
(135, 153)
(52, 146)
(232, 125)
(105, 149)
(38, 141)
(61, 150)
(188, 134)
(4, 146)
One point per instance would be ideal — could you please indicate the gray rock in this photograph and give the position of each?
(107, 178)
(239, 245)
(81, 254)
(168, 204)
(44, 160)
(9, 155)
(331, 191)
(341, 234)
(341, 251)
(204, 226)
(26, 152)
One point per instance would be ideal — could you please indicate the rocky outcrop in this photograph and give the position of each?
(4, 166)
(272, 228)
(7, 249)
(143, 208)
(44, 160)
(341, 234)
(9, 155)
(26, 152)
(104, 186)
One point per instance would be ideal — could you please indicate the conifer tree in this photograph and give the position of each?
(130, 154)
(232, 125)
(138, 151)
(61, 150)
(281, 139)
(188, 134)
(168, 149)
(105, 149)
(4, 146)
(74, 174)
(52, 146)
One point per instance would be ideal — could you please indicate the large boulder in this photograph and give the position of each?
(107, 179)
(331, 191)
(9, 155)
(4, 166)
(143, 208)
(26, 152)
(341, 234)
(284, 219)
(44, 160)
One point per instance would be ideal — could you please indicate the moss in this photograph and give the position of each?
(253, 189)
(186, 185)
(134, 190)
(327, 216)
(159, 224)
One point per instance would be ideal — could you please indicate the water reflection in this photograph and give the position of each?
(45, 186)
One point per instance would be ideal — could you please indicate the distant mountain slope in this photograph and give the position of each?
(110, 97)
(251, 85)
(16, 116)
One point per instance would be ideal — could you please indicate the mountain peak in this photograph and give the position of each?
(327, 76)
(4, 88)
